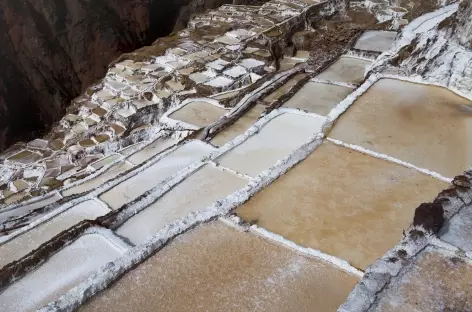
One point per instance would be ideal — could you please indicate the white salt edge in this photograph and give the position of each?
(335, 261)
(107, 274)
(390, 159)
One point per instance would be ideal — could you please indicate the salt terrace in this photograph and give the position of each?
(207, 173)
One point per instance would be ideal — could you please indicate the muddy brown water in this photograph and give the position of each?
(318, 98)
(217, 268)
(342, 202)
(428, 126)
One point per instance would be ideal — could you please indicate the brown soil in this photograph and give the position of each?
(429, 216)
(333, 37)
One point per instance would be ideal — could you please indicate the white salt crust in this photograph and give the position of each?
(92, 195)
(182, 125)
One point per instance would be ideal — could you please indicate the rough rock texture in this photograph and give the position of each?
(51, 50)
(462, 28)
(440, 55)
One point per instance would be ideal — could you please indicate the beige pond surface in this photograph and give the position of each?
(283, 89)
(375, 40)
(25, 157)
(346, 69)
(99, 180)
(275, 141)
(150, 177)
(427, 126)
(21, 210)
(27, 242)
(195, 193)
(226, 95)
(105, 161)
(435, 283)
(151, 150)
(61, 272)
(199, 113)
(318, 98)
(240, 126)
(217, 268)
(342, 202)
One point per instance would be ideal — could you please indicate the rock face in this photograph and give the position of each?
(53, 49)
(438, 51)
(462, 28)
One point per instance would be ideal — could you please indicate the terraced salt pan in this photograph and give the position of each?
(150, 177)
(24, 157)
(342, 202)
(21, 210)
(235, 72)
(61, 272)
(437, 281)
(195, 193)
(283, 89)
(429, 127)
(27, 242)
(239, 127)
(217, 64)
(250, 63)
(289, 62)
(220, 83)
(97, 181)
(346, 69)
(105, 161)
(152, 149)
(226, 95)
(276, 140)
(218, 268)
(201, 77)
(318, 98)
(198, 113)
(375, 40)
(227, 40)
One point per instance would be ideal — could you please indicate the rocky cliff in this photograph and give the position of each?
(51, 50)
(460, 24)
(436, 49)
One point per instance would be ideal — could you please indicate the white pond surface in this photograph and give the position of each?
(195, 193)
(275, 141)
(152, 149)
(150, 177)
(21, 210)
(27, 242)
(99, 180)
(63, 271)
